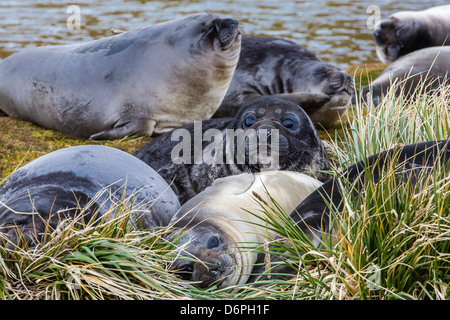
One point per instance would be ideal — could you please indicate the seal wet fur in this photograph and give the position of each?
(218, 230)
(144, 81)
(83, 183)
(280, 67)
(300, 148)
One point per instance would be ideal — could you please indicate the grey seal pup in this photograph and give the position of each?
(280, 67)
(221, 226)
(428, 67)
(292, 143)
(412, 163)
(407, 31)
(144, 81)
(84, 183)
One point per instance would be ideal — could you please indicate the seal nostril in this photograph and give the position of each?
(216, 268)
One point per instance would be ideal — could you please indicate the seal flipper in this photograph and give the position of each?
(124, 128)
(309, 102)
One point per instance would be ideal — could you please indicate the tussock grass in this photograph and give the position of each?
(396, 121)
(391, 243)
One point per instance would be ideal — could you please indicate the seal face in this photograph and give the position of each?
(406, 31)
(218, 234)
(429, 66)
(85, 182)
(273, 66)
(146, 80)
(274, 123)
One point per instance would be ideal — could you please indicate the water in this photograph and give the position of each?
(335, 30)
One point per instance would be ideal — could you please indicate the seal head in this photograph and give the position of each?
(290, 132)
(221, 226)
(407, 31)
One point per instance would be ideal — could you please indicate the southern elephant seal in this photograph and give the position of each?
(83, 180)
(274, 66)
(219, 232)
(148, 80)
(407, 31)
(427, 67)
(411, 164)
(280, 125)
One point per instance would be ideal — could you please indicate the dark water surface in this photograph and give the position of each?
(335, 30)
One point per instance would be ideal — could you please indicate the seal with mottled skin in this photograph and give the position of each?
(219, 232)
(412, 165)
(407, 31)
(292, 141)
(273, 66)
(144, 81)
(428, 67)
(83, 183)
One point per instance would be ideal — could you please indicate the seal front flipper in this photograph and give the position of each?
(309, 102)
(124, 128)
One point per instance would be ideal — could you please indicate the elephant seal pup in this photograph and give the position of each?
(219, 231)
(211, 151)
(407, 31)
(429, 67)
(148, 80)
(273, 66)
(411, 162)
(82, 182)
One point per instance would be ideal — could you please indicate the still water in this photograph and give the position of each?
(335, 30)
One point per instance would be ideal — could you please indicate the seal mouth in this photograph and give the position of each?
(207, 270)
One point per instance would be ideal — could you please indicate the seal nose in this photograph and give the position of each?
(216, 268)
(208, 271)
(227, 32)
(228, 24)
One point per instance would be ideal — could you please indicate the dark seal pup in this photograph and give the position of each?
(428, 67)
(299, 147)
(151, 79)
(86, 181)
(407, 31)
(273, 66)
(412, 163)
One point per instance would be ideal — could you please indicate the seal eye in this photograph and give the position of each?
(249, 121)
(289, 123)
(213, 242)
